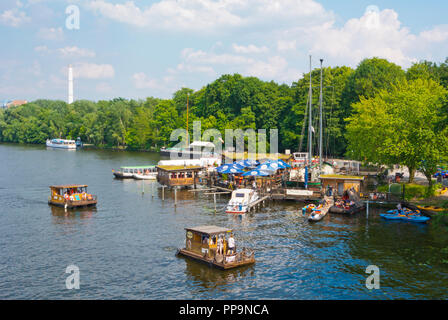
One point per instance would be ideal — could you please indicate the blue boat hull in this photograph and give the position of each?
(411, 218)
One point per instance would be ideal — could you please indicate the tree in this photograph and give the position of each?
(405, 125)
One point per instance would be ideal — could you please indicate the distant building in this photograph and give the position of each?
(12, 103)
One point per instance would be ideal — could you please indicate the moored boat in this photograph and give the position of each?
(71, 196)
(319, 212)
(405, 215)
(431, 210)
(137, 172)
(61, 144)
(241, 201)
(213, 245)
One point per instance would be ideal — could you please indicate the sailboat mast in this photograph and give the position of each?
(310, 127)
(188, 138)
(320, 118)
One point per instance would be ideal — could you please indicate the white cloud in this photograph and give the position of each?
(51, 33)
(92, 71)
(14, 18)
(249, 49)
(284, 45)
(142, 81)
(207, 16)
(76, 52)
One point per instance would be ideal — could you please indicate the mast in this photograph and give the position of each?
(310, 127)
(188, 138)
(320, 118)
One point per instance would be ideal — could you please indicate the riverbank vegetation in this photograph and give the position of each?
(377, 113)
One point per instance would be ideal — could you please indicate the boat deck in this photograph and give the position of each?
(243, 261)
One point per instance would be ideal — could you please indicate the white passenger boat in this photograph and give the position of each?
(149, 173)
(61, 143)
(242, 200)
(137, 172)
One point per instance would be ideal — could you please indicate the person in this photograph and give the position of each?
(231, 244)
(220, 244)
(330, 191)
(254, 184)
(399, 208)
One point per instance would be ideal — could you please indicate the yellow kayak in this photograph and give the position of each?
(431, 208)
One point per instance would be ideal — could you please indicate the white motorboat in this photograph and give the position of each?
(242, 200)
(61, 143)
(139, 172)
(321, 210)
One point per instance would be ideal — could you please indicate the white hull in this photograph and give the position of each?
(240, 205)
(60, 146)
(151, 176)
(314, 216)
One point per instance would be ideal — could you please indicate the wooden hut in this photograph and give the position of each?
(341, 183)
(178, 176)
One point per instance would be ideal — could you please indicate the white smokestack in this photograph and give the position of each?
(70, 84)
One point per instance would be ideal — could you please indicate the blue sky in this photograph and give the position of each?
(135, 49)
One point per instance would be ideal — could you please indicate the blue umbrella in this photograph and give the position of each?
(229, 168)
(247, 163)
(258, 173)
(284, 163)
(269, 165)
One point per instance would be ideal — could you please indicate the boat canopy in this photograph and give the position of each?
(69, 186)
(210, 230)
(179, 168)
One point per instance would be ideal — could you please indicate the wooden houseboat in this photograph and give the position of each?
(71, 196)
(178, 176)
(203, 243)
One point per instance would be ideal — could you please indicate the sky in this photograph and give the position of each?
(136, 49)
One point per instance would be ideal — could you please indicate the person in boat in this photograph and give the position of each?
(330, 191)
(231, 244)
(399, 208)
(220, 246)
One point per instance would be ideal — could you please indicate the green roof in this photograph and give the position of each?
(139, 167)
(340, 176)
(179, 168)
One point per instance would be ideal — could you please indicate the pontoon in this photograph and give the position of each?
(203, 244)
(71, 196)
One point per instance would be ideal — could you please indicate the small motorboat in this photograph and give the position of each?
(209, 244)
(405, 215)
(242, 201)
(321, 210)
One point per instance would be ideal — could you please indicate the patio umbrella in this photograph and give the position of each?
(258, 173)
(229, 168)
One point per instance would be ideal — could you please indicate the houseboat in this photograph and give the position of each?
(242, 200)
(71, 196)
(137, 172)
(178, 176)
(210, 245)
(61, 144)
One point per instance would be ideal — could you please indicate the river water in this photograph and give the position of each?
(125, 248)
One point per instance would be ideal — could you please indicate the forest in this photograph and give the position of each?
(367, 112)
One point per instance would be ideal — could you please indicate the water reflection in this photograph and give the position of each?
(212, 278)
(62, 216)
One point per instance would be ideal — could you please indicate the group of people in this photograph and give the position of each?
(220, 241)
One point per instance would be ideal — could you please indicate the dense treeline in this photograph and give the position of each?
(230, 102)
